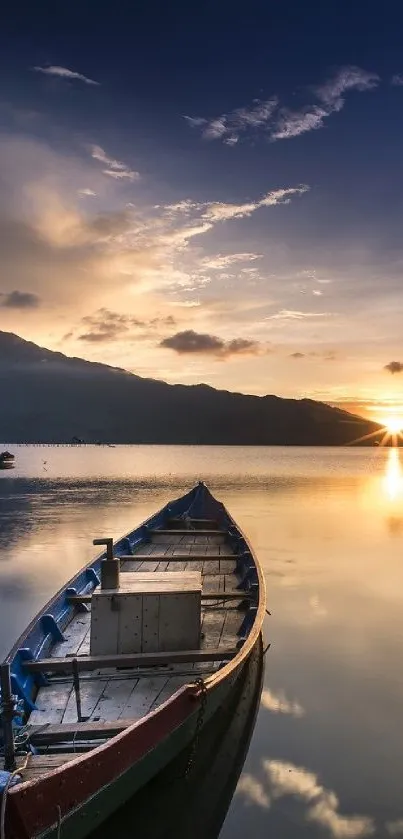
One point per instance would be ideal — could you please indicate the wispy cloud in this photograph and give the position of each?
(278, 703)
(217, 263)
(64, 73)
(397, 80)
(291, 123)
(229, 127)
(219, 211)
(105, 325)
(347, 78)
(322, 804)
(115, 168)
(290, 314)
(278, 122)
(216, 211)
(89, 192)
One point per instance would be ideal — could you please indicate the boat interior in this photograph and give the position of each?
(88, 682)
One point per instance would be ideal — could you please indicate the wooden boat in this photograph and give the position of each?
(92, 727)
(7, 456)
(6, 460)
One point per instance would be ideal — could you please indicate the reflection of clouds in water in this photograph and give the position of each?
(12, 586)
(322, 804)
(252, 791)
(395, 828)
(279, 704)
(317, 607)
(288, 779)
(395, 525)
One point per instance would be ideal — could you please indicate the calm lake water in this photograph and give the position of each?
(326, 757)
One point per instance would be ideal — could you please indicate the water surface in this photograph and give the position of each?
(326, 757)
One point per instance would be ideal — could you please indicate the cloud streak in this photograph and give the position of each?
(291, 314)
(65, 73)
(229, 127)
(219, 211)
(278, 122)
(115, 168)
(105, 325)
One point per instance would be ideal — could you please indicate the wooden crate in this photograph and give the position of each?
(149, 612)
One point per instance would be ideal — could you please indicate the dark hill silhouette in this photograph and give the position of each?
(48, 397)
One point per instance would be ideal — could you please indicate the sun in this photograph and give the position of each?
(394, 424)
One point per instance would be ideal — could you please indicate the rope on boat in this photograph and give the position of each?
(59, 821)
(4, 796)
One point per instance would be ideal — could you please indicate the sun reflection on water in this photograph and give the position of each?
(392, 483)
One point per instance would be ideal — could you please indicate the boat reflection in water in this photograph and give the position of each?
(190, 798)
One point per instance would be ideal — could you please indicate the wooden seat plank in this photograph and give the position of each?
(176, 557)
(40, 736)
(61, 665)
(216, 594)
(182, 531)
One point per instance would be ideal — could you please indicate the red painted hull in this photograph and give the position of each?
(82, 787)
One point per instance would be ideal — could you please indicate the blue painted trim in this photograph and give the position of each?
(72, 592)
(247, 622)
(92, 577)
(50, 626)
(249, 572)
(19, 689)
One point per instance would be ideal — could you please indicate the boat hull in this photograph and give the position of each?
(97, 787)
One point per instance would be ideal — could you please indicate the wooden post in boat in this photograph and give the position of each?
(76, 684)
(7, 714)
(110, 566)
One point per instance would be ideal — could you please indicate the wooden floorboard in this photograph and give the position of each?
(212, 626)
(173, 684)
(39, 765)
(114, 699)
(74, 634)
(90, 693)
(144, 695)
(232, 623)
(130, 565)
(51, 703)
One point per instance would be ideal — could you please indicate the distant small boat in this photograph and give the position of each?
(123, 668)
(6, 460)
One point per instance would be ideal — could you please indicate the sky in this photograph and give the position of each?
(208, 193)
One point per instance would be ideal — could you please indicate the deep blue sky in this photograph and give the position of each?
(320, 306)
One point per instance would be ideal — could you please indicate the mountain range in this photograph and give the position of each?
(49, 397)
